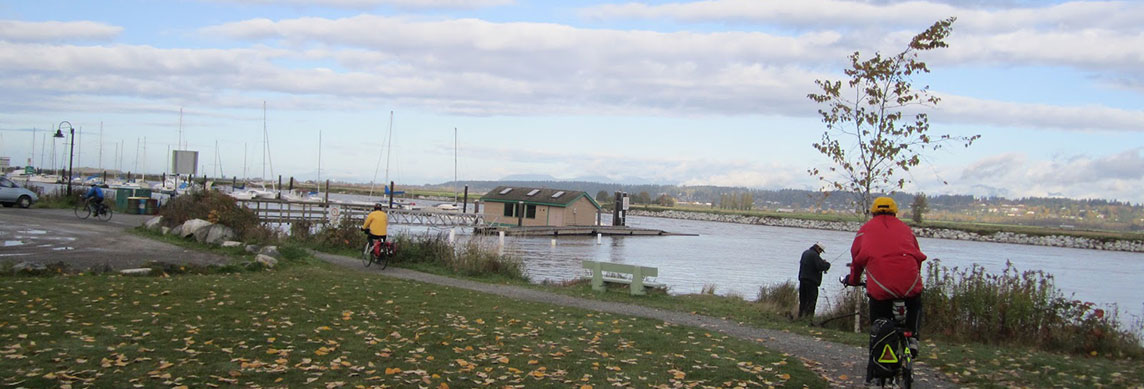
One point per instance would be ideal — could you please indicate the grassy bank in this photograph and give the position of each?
(320, 326)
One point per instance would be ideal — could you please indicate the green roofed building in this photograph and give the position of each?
(510, 206)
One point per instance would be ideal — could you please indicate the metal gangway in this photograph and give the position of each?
(275, 211)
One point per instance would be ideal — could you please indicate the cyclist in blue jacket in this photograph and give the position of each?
(95, 195)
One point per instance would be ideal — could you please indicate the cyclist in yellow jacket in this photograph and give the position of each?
(376, 223)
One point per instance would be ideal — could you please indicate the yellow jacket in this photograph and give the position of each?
(377, 223)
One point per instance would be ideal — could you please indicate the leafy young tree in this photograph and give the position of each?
(868, 139)
(665, 200)
(919, 207)
(603, 197)
(643, 198)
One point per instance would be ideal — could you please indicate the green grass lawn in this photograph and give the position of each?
(317, 325)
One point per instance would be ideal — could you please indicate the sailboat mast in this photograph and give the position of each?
(454, 165)
(318, 183)
(389, 150)
(264, 141)
(100, 145)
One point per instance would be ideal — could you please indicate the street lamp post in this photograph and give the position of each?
(71, 152)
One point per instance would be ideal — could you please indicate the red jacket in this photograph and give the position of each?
(888, 251)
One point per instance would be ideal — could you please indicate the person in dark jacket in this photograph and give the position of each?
(810, 270)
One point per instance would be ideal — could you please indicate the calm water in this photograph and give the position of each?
(739, 258)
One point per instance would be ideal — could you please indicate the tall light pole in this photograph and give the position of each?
(71, 152)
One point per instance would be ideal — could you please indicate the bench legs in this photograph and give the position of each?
(597, 277)
(637, 283)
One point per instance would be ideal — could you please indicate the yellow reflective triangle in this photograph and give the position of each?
(888, 355)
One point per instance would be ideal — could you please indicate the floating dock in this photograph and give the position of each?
(573, 231)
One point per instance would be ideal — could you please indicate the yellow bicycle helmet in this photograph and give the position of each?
(884, 205)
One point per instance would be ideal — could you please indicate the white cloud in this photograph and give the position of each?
(968, 110)
(21, 31)
(477, 67)
(1015, 174)
(369, 4)
(895, 14)
(1095, 36)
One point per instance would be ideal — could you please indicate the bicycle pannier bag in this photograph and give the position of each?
(885, 349)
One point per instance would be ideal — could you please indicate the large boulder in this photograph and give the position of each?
(193, 226)
(266, 260)
(153, 224)
(271, 251)
(176, 231)
(253, 248)
(29, 267)
(217, 234)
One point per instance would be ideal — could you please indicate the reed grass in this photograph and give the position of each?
(779, 298)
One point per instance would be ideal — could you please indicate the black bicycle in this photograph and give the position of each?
(378, 252)
(87, 208)
(891, 361)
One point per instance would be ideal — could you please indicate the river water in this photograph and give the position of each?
(739, 258)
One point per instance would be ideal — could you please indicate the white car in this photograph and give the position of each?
(12, 194)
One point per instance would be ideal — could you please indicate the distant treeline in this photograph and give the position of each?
(1049, 211)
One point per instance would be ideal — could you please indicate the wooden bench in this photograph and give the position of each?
(636, 284)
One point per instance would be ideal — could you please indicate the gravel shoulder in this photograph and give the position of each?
(840, 365)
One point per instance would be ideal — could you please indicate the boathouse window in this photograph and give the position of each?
(505, 191)
(512, 210)
(533, 192)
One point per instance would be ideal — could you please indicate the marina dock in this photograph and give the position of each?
(573, 231)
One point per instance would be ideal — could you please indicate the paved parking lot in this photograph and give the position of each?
(56, 235)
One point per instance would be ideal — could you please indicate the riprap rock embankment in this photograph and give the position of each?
(926, 232)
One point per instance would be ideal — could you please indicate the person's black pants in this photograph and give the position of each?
(807, 299)
(885, 308)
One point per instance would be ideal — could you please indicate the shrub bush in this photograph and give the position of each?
(1016, 307)
(212, 205)
(1010, 308)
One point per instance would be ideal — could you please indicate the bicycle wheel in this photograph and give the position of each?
(386, 252)
(908, 373)
(367, 254)
(105, 214)
(82, 210)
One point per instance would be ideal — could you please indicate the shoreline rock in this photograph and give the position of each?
(922, 232)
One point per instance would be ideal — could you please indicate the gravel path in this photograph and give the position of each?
(49, 236)
(840, 365)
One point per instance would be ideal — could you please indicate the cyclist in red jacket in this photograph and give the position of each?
(887, 250)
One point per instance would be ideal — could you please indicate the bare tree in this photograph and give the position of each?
(870, 145)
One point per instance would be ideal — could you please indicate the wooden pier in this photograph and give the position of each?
(288, 212)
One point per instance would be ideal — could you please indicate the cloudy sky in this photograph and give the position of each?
(704, 92)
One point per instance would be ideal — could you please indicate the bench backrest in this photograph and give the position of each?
(620, 268)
